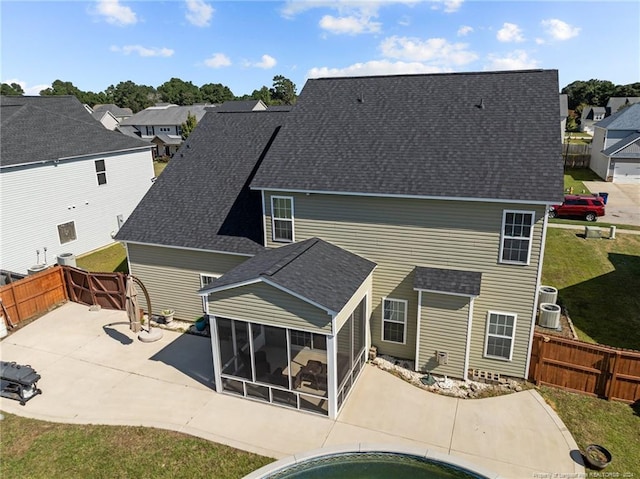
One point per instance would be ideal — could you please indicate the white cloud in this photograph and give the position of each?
(437, 51)
(351, 25)
(267, 62)
(143, 51)
(464, 30)
(218, 60)
(199, 13)
(559, 30)
(510, 32)
(516, 60)
(540, 41)
(378, 67)
(371, 7)
(115, 13)
(28, 90)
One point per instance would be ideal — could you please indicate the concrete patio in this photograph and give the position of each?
(95, 370)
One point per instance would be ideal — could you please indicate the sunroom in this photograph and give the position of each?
(289, 326)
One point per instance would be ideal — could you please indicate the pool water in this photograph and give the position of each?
(374, 465)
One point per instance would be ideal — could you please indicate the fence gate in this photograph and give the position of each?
(107, 290)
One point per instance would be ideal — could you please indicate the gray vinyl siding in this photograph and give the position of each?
(262, 303)
(443, 327)
(399, 234)
(172, 276)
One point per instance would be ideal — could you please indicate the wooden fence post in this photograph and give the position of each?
(611, 381)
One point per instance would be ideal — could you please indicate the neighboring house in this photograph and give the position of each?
(110, 115)
(615, 103)
(105, 117)
(67, 182)
(590, 116)
(615, 150)
(407, 212)
(241, 105)
(162, 125)
(564, 113)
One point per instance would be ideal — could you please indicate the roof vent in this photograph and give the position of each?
(361, 98)
(481, 104)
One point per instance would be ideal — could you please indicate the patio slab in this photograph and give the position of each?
(94, 370)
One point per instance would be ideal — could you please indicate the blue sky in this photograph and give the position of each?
(244, 44)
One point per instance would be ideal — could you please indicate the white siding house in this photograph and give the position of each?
(58, 196)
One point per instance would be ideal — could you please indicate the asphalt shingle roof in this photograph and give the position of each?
(627, 119)
(241, 105)
(447, 280)
(621, 150)
(202, 199)
(615, 102)
(461, 135)
(314, 269)
(48, 128)
(171, 115)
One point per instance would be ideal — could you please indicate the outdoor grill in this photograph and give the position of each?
(18, 382)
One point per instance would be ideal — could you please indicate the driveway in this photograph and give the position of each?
(623, 203)
(95, 371)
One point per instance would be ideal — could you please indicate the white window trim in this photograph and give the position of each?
(205, 299)
(273, 220)
(406, 314)
(513, 337)
(503, 236)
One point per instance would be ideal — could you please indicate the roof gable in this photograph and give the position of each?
(445, 135)
(314, 270)
(628, 147)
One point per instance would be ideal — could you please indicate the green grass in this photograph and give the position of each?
(598, 282)
(613, 424)
(38, 449)
(574, 177)
(111, 258)
(599, 224)
(159, 166)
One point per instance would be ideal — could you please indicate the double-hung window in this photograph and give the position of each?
(501, 328)
(394, 320)
(101, 172)
(517, 234)
(282, 218)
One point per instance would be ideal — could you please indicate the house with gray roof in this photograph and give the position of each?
(109, 115)
(590, 116)
(615, 149)
(162, 125)
(67, 182)
(616, 103)
(358, 218)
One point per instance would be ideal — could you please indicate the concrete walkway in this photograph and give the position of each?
(94, 370)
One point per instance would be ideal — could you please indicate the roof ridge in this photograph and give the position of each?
(290, 257)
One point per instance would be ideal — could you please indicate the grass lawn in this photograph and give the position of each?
(38, 449)
(111, 258)
(574, 177)
(159, 166)
(613, 424)
(598, 282)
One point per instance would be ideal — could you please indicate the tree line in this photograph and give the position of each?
(128, 94)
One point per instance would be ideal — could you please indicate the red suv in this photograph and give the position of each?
(587, 207)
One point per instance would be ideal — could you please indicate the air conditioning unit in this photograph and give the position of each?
(549, 316)
(67, 259)
(548, 294)
(36, 268)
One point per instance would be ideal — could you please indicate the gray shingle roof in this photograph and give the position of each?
(314, 269)
(627, 119)
(115, 110)
(202, 199)
(54, 127)
(447, 280)
(459, 135)
(615, 102)
(623, 148)
(171, 115)
(241, 105)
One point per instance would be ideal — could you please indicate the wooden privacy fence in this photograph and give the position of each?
(105, 289)
(591, 369)
(576, 155)
(33, 295)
